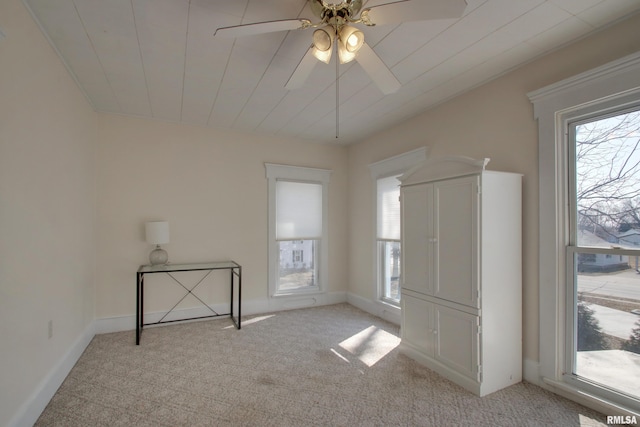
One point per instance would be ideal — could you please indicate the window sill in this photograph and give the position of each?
(297, 293)
(389, 305)
(590, 400)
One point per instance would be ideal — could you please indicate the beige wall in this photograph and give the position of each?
(47, 210)
(495, 121)
(211, 186)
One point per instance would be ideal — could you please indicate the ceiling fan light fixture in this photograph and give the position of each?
(350, 41)
(324, 56)
(355, 41)
(344, 55)
(323, 44)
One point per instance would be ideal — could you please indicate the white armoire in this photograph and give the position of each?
(462, 272)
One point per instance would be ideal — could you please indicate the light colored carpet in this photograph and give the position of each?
(323, 366)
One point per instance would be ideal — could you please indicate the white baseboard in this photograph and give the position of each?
(249, 308)
(293, 302)
(115, 324)
(31, 409)
(385, 311)
(128, 323)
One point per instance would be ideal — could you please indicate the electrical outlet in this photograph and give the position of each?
(50, 329)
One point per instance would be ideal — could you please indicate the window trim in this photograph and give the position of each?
(392, 166)
(614, 84)
(275, 172)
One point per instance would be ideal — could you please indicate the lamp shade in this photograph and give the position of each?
(157, 232)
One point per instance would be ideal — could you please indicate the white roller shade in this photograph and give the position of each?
(298, 210)
(388, 208)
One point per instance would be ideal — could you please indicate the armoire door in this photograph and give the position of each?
(456, 342)
(456, 225)
(417, 324)
(417, 238)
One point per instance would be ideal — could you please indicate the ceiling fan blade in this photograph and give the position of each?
(302, 71)
(373, 3)
(377, 70)
(413, 10)
(261, 28)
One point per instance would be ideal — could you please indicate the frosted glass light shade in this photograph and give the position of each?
(351, 40)
(322, 39)
(157, 232)
(323, 45)
(354, 41)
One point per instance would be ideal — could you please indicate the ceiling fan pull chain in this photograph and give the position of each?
(337, 99)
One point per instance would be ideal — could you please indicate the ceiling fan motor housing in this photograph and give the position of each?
(336, 13)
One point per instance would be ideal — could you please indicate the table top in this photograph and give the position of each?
(166, 268)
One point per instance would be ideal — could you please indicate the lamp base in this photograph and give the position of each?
(158, 256)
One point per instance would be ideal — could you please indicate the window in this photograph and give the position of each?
(563, 254)
(297, 229)
(388, 238)
(603, 289)
(387, 222)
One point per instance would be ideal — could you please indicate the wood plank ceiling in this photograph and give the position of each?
(158, 59)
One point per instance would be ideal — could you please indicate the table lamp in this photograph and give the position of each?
(157, 233)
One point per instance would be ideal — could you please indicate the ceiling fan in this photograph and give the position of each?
(335, 32)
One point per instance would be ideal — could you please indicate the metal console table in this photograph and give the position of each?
(235, 271)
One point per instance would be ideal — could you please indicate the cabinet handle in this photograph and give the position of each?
(433, 240)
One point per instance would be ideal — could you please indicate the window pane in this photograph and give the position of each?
(297, 268)
(298, 210)
(607, 169)
(390, 270)
(388, 208)
(607, 328)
